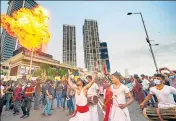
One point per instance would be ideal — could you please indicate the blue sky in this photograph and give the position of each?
(124, 34)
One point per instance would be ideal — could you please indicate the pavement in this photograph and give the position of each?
(60, 115)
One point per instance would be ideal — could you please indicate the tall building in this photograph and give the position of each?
(69, 45)
(105, 55)
(91, 45)
(8, 43)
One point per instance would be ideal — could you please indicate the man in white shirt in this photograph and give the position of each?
(163, 93)
(145, 85)
(93, 91)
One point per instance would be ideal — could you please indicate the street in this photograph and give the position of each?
(60, 115)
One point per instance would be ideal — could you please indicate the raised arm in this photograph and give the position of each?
(69, 80)
(92, 82)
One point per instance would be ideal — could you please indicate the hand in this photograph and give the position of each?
(122, 106)
(142, 105)
(104, 107)
(69, 72)
(50, 96)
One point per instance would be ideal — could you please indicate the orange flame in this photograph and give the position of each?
(28, 26)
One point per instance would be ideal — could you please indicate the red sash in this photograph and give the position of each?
(81, 109)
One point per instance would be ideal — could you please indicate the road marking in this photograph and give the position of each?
(100, 105)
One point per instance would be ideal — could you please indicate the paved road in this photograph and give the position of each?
(60, 115)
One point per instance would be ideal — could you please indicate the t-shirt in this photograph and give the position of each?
(28, 89)
(50, 90)
(145, 84)
(119, 94)
(164, 96)
(2, 88)
(38, 87)
(44, 87)
(17, 93)
(59, 88)
(93, 90)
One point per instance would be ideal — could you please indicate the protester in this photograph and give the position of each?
(107, 101)
(64, 93)
(1, 96)
(137, 89)
(17, 99)
(119, 110)
(43, 97)
(93, 91)
(37, 94)
(27, 92)
(49, 97)
(163, 92)
(82, 109)
(59, 88)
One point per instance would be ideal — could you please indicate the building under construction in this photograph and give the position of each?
(91, 45)
(69, 45)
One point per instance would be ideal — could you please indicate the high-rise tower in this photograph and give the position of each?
(69, 45)
(91, 45)
(8, 43)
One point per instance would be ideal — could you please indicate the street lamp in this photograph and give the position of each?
(148, 40)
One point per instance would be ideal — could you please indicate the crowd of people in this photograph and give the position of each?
(79, 96)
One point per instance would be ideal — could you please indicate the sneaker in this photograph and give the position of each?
(49, 114)
(17, 113)
(22, 116)
(26, 116)
(14, 113)
(43, 114)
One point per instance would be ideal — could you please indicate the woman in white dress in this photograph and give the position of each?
(119, 110)
(82, 109)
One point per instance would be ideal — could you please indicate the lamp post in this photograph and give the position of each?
(148, 40)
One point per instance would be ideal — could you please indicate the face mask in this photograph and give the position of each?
(157, 82)
(171, 77)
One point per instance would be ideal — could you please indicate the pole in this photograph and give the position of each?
(31, 61)
(148, 40)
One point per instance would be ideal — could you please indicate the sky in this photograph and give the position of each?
(125, 35)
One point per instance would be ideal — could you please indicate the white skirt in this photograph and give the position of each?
(81, 117)
(118, 114)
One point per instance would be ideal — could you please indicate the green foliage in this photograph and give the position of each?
(50, 72)
(37, 73)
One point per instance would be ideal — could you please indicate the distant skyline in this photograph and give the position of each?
(125, 35)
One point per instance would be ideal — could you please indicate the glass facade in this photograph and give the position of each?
(104, 55)
(8, 43)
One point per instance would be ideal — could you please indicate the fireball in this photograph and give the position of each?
(29, 26)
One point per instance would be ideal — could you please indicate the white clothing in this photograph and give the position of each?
(94, 112)
(145, 84)
(117, 114)
(93, 108)
(119, 98)
(164, 96)
(2, 88)
(81, 100)
(92, 90)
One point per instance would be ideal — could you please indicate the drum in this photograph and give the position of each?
(92, 100)
(159, 114)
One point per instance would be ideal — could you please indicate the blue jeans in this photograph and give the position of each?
(70, 105)
(47, 108)
(8, 97)
(59, 100)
